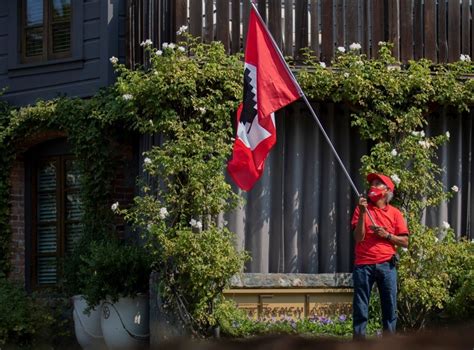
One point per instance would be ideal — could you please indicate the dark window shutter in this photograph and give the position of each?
(73, 205)
(58, 215)
(61, 26)
(47, 236)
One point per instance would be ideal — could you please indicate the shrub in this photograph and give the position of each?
(24, 321)
(187, 94)
(436, 278)
(114, 269)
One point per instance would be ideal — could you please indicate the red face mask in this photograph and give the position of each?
(375, 194)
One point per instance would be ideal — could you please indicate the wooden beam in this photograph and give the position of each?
(429, 29)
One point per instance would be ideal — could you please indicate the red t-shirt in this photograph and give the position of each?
(374, 249)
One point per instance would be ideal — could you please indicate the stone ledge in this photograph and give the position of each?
(292, 280)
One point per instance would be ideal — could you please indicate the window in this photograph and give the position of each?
(56, 216)
(45, 29)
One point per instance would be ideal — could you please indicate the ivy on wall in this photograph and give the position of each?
(90, 139)
(390, 103)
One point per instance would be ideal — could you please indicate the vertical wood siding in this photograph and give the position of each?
(438, 30)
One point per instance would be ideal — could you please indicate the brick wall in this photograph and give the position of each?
(17, 219)
(123, 187)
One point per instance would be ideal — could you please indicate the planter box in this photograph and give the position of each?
(292, 295)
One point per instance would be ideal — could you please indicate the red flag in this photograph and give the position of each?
(268, 86)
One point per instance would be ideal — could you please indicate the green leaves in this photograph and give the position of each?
(435, 277)
(24, 321)
(114, 269)
(188, 96)
(388, 100)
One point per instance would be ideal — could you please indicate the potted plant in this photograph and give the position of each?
(118, 276)
(86, 316)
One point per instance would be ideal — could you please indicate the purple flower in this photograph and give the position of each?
(325, 320)
(342, 318)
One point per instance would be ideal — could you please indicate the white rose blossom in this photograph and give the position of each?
(448, 135)
(115, 206)
(182, 29)
(346, 75)
(445, 225)
(127, 97)
(147, 161)
(202, 110)
(113, 60)
(465, 58)
(424, 144)
(341, 49)
(322, 64)
(147, 42)
(159, 52)
(182, 49)
(196, 224)
(355, 46)
(163, 213)
(165, 45)
(395, 179)
(381, 43)
(171, 46)
(394, 152)
(455, 188)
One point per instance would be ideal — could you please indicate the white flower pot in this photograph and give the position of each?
(87, 326)
(125, 324)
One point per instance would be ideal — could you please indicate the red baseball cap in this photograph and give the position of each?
(385, 179)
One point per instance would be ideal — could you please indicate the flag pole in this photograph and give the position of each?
(313, 113)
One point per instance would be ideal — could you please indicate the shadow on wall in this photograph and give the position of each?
(297, 217)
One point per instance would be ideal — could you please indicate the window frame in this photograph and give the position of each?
(47, 54)
(17, 67)
(34, 160)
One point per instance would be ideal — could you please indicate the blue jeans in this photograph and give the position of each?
(364, 276)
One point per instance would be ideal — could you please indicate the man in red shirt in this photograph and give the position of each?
(375, 253)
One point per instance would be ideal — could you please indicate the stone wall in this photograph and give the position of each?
(296, 296)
